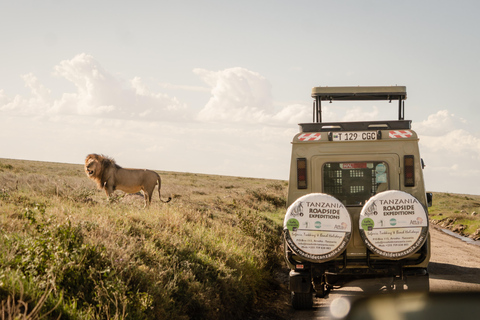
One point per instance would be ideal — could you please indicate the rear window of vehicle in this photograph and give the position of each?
(353, 183)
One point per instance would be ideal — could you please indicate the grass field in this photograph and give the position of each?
(459, 213)
(213, 252)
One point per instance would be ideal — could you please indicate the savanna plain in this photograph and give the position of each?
(213, 252)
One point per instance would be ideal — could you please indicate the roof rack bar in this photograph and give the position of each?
(319, 109)
(401, 110)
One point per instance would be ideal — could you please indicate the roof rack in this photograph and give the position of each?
(355, 126)
(358, 94)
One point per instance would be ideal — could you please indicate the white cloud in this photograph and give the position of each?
(38, 103)
(452, 154)
(357, 113)
(238, 95)
(293, 114)
(442, 133)
(459, 142)
(439, 123)
(183, 87)
(98, 93)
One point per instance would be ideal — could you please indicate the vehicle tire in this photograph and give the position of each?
(302, 300)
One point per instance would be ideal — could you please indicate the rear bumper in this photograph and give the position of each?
(369, 265)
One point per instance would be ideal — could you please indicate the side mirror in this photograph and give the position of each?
(429, 199)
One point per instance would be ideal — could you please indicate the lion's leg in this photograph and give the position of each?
(109, 196)
(147, 197)
(108, 191)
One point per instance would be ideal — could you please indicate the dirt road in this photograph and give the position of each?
(454, 266)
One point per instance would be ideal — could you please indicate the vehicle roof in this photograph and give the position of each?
(361, 93)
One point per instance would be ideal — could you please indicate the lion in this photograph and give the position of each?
(109, 176)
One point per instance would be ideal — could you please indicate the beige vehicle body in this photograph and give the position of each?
(339, 159)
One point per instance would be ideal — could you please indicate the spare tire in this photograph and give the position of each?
(317, 227)
(394, 224)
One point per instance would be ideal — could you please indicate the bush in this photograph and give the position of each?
(209, 254)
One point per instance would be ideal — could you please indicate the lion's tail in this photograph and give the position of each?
(159, 184)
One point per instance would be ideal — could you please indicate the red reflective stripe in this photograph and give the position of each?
(310, 136)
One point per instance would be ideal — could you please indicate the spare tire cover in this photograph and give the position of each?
(317, 227)
(394, 224)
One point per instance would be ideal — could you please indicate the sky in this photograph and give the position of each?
(219, 87)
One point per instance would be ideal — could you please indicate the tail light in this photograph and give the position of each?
(302, 173)
(409, 170)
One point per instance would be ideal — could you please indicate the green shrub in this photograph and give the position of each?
(209, 254)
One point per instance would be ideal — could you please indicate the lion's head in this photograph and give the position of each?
(96, 165)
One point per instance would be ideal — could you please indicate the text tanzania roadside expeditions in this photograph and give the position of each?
(316, 212)
(397, 207)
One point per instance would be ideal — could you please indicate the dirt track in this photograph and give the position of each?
(454, 266)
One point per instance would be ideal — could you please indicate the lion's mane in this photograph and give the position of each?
(103, 168)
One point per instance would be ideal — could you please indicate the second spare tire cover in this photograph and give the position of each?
(317, 227)
(394, 224)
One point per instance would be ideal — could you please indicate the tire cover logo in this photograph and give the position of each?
(394, 224)
(317, 227)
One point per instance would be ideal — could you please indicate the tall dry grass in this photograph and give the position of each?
(209, 254)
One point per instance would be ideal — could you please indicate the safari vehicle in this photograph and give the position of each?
(357, 205)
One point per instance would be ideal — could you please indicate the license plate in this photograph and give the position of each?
(354, 136)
